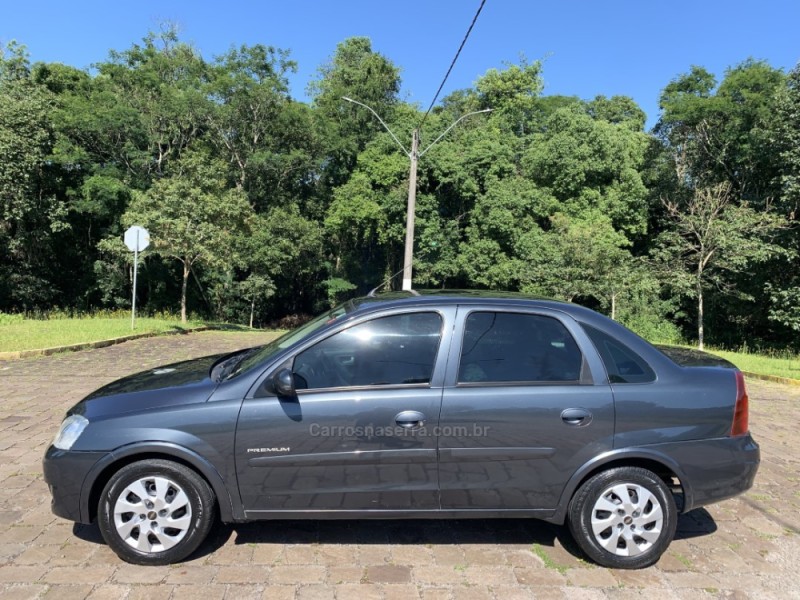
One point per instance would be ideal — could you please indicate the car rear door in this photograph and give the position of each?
(524, 406)
(360, 434)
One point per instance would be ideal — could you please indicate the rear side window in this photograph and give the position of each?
(503, 347)
(622, 364)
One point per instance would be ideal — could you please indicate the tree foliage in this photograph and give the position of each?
(355, 71)
(192, 217)
(723, 180)
(29, 212)
(714, 239)
(260, 205)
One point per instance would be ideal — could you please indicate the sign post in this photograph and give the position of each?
(136, 239)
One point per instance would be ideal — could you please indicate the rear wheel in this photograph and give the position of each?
(623, 518)
(155, 512)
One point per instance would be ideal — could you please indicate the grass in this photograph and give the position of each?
(549, 563)
(17, 333)
(684, 560)
(780, 365)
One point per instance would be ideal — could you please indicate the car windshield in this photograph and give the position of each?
(289, 338)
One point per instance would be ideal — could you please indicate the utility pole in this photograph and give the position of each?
(414, 155)
(408, 257)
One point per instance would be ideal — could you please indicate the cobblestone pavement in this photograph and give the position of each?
(748, 547)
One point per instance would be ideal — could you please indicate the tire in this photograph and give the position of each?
(623, 518)
(155, 512)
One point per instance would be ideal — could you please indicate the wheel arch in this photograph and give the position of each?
(228, 504)
(660, 464)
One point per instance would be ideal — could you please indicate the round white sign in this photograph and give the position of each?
(137, 238)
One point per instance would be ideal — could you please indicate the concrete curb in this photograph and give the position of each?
(773, 378)
(91, 345)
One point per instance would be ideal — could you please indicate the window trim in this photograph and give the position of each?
(363, 388)
(585, 377)
(522, 383)
(626, 348)
(374, 387)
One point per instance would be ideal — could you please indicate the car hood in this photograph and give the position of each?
(169, 385)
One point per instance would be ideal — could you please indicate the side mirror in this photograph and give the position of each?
(283, 382)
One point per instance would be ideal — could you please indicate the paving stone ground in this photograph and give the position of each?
(748, 547)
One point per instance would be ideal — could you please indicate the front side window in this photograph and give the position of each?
(260, 355)
(395, 350)
(507, 347)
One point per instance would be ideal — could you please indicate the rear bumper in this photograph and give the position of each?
(710, 470)
(65, 473)
(717, 469)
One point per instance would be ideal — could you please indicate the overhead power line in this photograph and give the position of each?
(452, 64)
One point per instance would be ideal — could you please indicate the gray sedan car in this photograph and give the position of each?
(452, 405)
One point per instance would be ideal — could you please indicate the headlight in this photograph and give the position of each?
(71, 428)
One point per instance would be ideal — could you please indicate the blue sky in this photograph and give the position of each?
(605, 47)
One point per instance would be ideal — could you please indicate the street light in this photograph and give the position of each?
(414, 154)
(377, 116)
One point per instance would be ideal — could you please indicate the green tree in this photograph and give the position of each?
(714, 238)
(784, 306)
(512, 93)
(29, 213)
(502, 218)
(255, 288)
(26, 134)
(586, 164)
(619, 110)
(722, 135)
(783, 290)
(98, 129)
(96, 141)
(335, 287)
(788, 135)
(162, 80)
(287, 247)
(640, 301)
(724, 132)
(358, 72)
(266, 137)
(574, 259)
(192, 216)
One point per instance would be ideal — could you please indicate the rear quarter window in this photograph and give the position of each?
(623, 365)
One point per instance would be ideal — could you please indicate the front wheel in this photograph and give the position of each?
(623, 518)
(155, 512)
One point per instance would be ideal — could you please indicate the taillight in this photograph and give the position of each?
(741, 411)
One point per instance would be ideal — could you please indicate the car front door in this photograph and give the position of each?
(521, 411)
(358, 435)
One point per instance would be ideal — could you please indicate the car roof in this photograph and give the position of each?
(452, 297)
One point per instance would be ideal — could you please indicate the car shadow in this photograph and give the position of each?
(88, 533)
(697, 523)
(404, 532)
(526, 532)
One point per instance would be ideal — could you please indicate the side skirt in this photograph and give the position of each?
(258, 515)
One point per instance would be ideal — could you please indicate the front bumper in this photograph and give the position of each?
(65, 473)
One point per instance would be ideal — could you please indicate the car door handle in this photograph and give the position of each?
(579, 417)
(410, 419)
